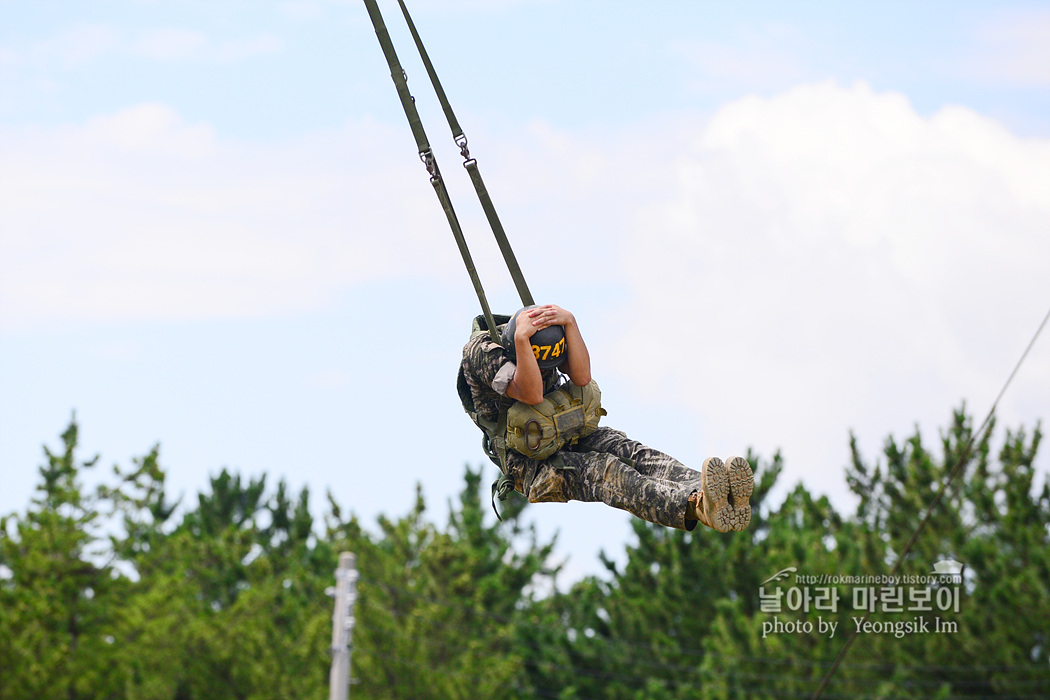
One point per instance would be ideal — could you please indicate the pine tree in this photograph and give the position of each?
(59, 594)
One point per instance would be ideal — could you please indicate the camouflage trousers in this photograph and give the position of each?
(608, 467)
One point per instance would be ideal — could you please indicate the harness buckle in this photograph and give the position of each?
(461, 141)
(430, 162)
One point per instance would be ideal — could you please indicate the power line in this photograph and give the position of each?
(956, 470)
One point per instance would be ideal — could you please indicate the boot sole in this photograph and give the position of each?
(716, 494)
(741, 486)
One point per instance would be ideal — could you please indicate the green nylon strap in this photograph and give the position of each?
(495, 444)
(497, 230)
(471, 165)
(501, 487)
(398, 74)
(495, 441)
(427, 156)
(457, 232)
(452, 122)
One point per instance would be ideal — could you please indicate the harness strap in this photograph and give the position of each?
(427, 155)
(453, 123)
(495, 445)
(471, 164)
(501, 488)
(398, 74)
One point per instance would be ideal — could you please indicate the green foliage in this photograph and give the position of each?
(439, 609)
(121, 593)
(683, 619)
(58, 603)
(228, 599)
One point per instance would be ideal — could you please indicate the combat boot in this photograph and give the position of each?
(711, 506)
(741, 485)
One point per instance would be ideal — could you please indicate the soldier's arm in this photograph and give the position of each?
(578, 364)
(527, 384)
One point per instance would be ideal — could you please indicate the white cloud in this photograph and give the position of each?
(1014, 48)
(830, 259)
(140, 215)
(764, 59)
(239, 49)
(302, 10)
(176, 44)
(794, 266)
(328, 379)
(67, 49)
(422, 7)
(169, 44)
(150, 128)
(77, 46)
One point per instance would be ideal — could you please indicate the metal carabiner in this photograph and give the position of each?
(428, 160)
(461, 141)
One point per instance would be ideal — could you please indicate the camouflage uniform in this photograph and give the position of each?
(605, 466)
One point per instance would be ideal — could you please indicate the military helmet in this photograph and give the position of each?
(548, 344)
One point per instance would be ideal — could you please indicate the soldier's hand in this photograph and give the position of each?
(550, 315)
(525, 326)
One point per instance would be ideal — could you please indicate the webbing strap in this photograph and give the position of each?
(452, 122)
(427, 156)
(495, 445)
(497, 230)
(398, 74)
(457, 232)
(471, 165)
(501, 488)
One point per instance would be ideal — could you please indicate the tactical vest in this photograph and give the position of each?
(565, 415)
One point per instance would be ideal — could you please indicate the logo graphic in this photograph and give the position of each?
(948, 567)
(780, 575)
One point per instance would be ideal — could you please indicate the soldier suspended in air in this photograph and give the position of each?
(533, 396)
(530, 389)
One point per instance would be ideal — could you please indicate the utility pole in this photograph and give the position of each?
(345, 594)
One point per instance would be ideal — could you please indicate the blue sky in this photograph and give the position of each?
(776, 222)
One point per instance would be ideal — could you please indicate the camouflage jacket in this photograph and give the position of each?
(488, 371)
